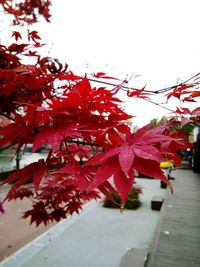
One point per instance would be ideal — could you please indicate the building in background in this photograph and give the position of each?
(194, 158)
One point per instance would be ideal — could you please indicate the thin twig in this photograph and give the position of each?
(7, 116)
(159, 91)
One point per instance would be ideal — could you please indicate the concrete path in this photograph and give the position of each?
(99, 237)
(15, 232)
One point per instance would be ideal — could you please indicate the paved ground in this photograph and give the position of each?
(99, 237)
(15, 232)
(177, 239)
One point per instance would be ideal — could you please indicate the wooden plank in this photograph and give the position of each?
(136, 257)
(177, 239)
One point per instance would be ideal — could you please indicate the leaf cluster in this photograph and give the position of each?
(83, 127)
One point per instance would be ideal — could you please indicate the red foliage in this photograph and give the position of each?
(27, 11)
(140, 93)
(57, 198)
(84, 127)
(192, 116)
(185, 92)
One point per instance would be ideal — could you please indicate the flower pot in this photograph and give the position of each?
(163, 184)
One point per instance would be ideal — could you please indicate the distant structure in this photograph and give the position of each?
(195, 153)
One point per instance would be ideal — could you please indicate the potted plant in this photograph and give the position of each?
(132, 203)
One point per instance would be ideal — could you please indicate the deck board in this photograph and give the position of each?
(177, 238)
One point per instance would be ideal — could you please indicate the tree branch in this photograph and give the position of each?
(159, 91)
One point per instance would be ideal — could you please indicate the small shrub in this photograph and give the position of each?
(132, 202)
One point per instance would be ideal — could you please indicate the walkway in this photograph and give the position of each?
(99, 237)
(14, 231)
(177, 241)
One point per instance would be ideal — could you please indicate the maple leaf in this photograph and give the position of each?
(79, 151)
(54, 136)
(36, 170)
(72, 100)
(83, 87)
(38, 214)
(195, 93)
(74, 206)
(106, 188)
(140, 93)
(192, 94)
(90, 195)
(103, 173)
(20, 193)
(33, 35)
(126, 158)
(183, 111)
(14, 133)
(32, 54)
(16, 35)
(81, 174)
(142, 151)
(196, 112)
(70, 76)
(178, 91)
(99, 74)
(150, 168)
(17, 48)
(110, 169)
(123, 184)
(184, 121)
(103, 76)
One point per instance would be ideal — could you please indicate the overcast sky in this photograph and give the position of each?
(156, 39)
(153, 38)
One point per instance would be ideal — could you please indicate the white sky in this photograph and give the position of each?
(156, 39)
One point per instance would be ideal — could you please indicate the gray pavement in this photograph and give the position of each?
(98, 237)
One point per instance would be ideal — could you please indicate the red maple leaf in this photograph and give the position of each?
(82, 175)
(14, 133)
(17, 48)
(16, 35)
(54, 136)
(142, 151)
(179, 90)
(140, 93)
(183, 111)
(196, 112)
(191, 95)
(33, 35)
(103, 76)
(36, 170)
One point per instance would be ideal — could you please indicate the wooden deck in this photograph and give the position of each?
(177, 238)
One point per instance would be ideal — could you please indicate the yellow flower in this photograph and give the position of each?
(165, 164)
